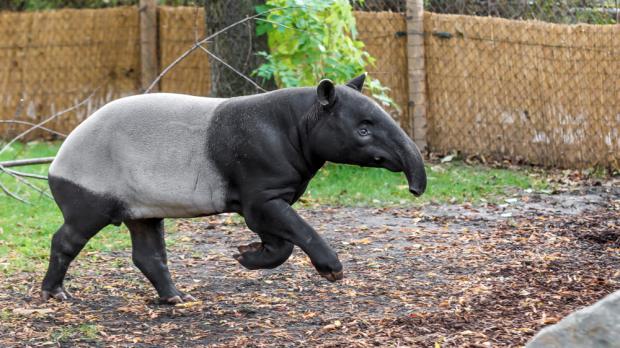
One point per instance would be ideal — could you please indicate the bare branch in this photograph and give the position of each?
(18, 175)
(26, 162)
(50, 118)
(231, 68)
(34, 124)
(24, 174)
(11, 194)
(279, 24)
(27, 183)
(23, 162)
(199, 43)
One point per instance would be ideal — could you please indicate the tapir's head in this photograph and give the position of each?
(353, 129)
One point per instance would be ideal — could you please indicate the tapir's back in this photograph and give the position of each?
(149, 152)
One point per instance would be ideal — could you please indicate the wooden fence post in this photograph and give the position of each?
(148, 43)
(416, 73)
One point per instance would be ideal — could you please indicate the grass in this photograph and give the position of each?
(453, 182)
(83, 333)
(26, 229)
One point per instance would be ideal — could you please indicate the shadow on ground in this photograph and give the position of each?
(488, 275)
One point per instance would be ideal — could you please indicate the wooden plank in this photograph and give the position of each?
(417, 74)
(149, 61)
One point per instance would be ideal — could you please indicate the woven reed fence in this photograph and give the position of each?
(545, 93)
(50, 61)
(382, 34)
(178, 29)
(378, 31)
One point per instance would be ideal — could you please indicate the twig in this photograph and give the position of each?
(11, 194)
(34, 124)
(18, 175)
(279, 24)
(27, 183)
(231, 68)
(199, 43)
(25, 175)
(250, 47)
(38, 125)
(26, 162)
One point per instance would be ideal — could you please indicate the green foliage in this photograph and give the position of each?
(571, 11)
(80, 333)
(38, 5)
(555, 11)
(309, 41)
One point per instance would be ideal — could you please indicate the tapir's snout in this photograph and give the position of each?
(413, 166)
(417, 180)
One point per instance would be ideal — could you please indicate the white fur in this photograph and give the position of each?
(149, 151)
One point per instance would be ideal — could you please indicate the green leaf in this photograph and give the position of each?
(324, 45)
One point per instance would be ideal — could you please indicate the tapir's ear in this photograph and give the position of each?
(326, 93)
(358, 82)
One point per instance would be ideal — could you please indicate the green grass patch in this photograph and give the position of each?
(79, 333)
(26, 229)
(450, 182)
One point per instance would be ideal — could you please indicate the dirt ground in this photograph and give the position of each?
(453, 275)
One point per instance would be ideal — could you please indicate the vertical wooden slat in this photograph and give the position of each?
(148, 43)
(416, 73)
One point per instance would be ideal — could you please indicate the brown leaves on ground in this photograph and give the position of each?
(449, 275)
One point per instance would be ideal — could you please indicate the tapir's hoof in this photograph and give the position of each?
(252, 247)
(173, 300)
(244, 262)
(333, 276)
(249, 261)
(263, 256)
(59, 294)
(170, 300)
(188, 298)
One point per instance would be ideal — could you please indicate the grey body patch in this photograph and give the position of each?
(150, 152)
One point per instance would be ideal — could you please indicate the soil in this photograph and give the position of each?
(454, 275)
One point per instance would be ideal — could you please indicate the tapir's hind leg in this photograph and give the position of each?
(149, 255)
(85, 213)
(67, 243)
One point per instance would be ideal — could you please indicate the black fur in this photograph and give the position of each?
(74, 200)
(267, 147)
(85, 213)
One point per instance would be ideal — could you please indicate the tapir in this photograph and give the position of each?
(143, 158)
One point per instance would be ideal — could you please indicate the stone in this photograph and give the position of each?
(595, 326)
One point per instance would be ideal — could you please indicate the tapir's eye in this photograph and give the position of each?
(363, 132)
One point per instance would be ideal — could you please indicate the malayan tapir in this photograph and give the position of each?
(143, 158)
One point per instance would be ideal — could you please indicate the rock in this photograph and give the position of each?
(594, 326)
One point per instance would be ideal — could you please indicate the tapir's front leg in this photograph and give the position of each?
(279, 218)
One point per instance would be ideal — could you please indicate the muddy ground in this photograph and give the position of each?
(457, 275)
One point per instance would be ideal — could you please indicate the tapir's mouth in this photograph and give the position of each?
(415, 191)
(413, 166)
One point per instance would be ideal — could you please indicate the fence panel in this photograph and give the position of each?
(178, 29)
(383, 36)
(51, 60)
(545, 93)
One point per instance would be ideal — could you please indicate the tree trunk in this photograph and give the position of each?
(237, 47)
